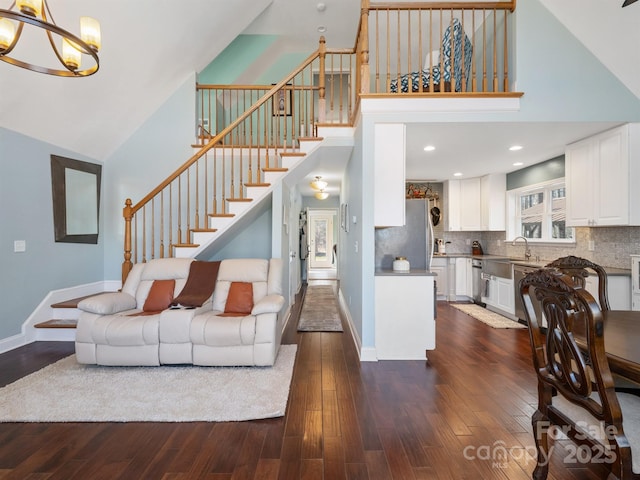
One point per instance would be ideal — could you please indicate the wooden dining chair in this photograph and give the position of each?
(576, 396)
(578, 269)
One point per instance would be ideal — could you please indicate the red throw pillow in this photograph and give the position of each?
(160, 296)
(240, 298)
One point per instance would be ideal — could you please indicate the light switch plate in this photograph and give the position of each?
(19, 246)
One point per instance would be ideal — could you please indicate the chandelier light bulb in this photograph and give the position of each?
(322, 195)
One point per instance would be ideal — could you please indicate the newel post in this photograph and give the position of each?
(364, 48)
(322, 101)
(128, 215)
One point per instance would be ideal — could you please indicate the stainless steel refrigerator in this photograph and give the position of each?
(414, 240)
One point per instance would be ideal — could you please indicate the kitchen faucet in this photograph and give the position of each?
(527, 252)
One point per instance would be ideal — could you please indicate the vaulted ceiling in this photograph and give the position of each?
(150, 47)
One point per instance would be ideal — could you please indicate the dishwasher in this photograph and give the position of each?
(476, 277)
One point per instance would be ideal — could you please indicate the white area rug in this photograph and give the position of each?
(69, 392)
(319, 310)
(492, 319)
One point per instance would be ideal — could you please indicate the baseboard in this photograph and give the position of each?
(10, 343)
(365, 354)
(43, 312)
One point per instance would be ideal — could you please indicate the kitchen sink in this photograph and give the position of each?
(498, 268)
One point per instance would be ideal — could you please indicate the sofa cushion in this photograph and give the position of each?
(240, 298)
(160, 296)
(200, 284)
(108, 303)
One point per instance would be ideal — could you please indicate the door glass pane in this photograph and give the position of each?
(320, 251)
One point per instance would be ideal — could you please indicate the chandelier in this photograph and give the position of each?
(70, 52)
(321, 195)
(318, 183)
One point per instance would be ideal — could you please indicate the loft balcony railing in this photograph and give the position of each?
(409, 48)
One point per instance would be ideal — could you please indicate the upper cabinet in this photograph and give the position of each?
(389, 170)
(476, 204)
(599, 176)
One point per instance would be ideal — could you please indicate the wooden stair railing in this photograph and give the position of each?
(242, 156)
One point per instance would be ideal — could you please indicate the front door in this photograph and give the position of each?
(320, 239)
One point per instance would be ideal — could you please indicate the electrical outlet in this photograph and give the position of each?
(467, 241)
(592, 245)
(499, 242)
(19, 246)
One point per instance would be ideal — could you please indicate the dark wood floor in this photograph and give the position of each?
(345, 420)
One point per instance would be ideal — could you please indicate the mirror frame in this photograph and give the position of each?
(59, 192)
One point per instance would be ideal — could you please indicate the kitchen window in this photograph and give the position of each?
(538, 213)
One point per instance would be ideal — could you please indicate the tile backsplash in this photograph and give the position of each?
(612, 245)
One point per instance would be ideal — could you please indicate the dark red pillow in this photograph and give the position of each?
(240, 298)
(160, 296)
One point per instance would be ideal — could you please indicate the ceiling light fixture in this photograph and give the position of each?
(515, 148)
(457, 174)
(518, 164)
(429, 148)
(71, 49)
(322, 195)
(319, 184)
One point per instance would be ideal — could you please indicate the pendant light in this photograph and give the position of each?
(319, 184)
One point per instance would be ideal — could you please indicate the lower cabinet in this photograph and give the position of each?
(500, 294)
(405, 324)
(440, 268)
(618, 290)
(464, 279)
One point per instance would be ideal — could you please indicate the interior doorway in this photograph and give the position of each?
(322, 261)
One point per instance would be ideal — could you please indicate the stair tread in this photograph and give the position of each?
(190, 245)
(257, 184)
(204, 230)
(222, 215)
(239, 199)
(275, 169)
(73, 302)
(292, 154)
(57, 323)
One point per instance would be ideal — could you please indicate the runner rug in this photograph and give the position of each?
(69, 392)
(492, 319)
(319, 310)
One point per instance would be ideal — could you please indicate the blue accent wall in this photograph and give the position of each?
(538, 173)
(26, 213)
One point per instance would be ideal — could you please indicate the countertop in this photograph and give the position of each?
(414, 272)
(530, 263)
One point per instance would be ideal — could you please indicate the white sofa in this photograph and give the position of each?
(113, 329)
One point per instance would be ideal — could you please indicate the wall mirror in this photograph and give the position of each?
(76, 199)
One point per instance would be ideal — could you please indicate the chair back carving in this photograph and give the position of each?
(575, 385)
(577, 269)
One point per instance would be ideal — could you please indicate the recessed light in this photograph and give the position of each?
(518, 164)
(429, 148)
(322, 29)
(515, 148)
(457, 174)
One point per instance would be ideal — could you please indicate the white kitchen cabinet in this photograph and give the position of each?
(601, 181)
(476, 204)
(405, 317)
(463, 276)
(493, 191)
(618, 290)
(635, 282)
(389, 175)
(440, 268)
(505, 300)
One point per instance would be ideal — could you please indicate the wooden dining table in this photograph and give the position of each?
(622, 342)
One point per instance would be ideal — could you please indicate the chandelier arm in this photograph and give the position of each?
(50, 27)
